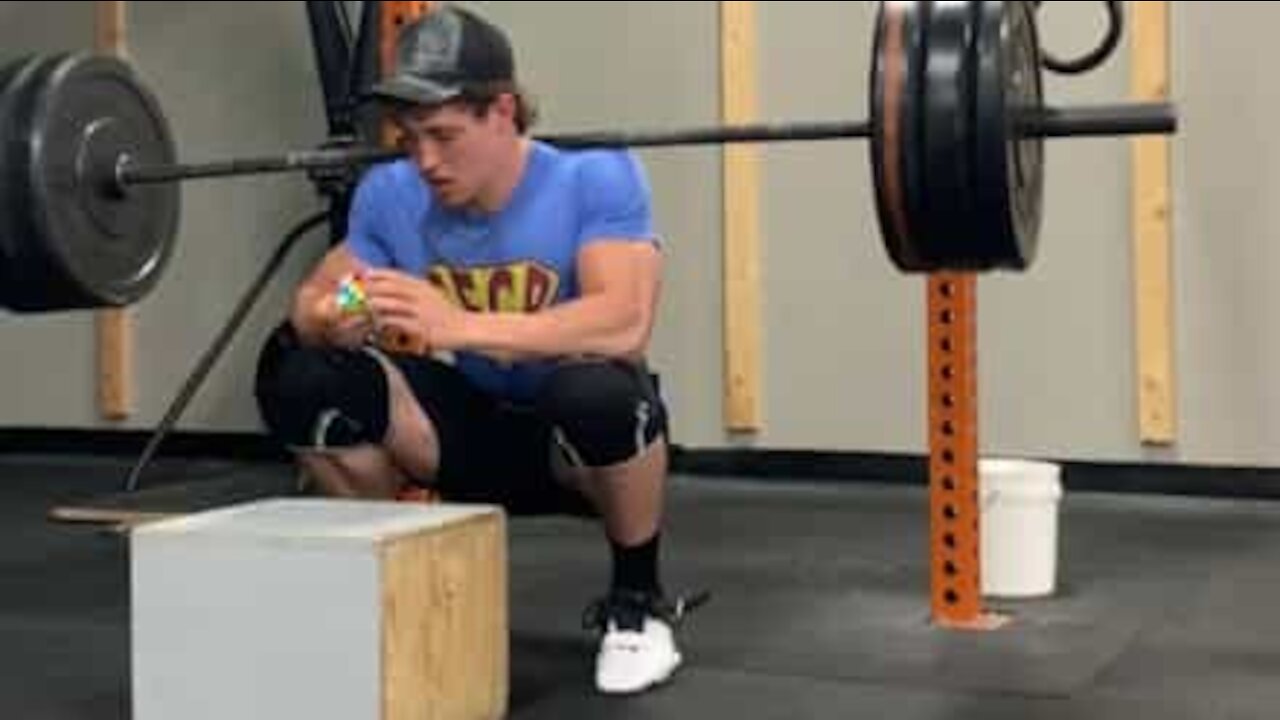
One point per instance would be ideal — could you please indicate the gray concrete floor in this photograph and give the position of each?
(1165, 608)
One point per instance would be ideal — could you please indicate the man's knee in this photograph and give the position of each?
(603, 412)
(317, 398)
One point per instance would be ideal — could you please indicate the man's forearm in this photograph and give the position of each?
(589, 326)
(306, 321)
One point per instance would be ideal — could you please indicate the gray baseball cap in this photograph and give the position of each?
(443, 52)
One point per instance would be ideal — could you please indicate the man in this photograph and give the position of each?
(512, 288)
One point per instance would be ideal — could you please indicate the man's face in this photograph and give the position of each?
(455, 150)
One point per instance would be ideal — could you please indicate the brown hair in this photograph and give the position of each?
(479, 97)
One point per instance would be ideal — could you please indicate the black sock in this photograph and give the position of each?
(636, 568)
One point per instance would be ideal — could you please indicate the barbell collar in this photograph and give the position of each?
(1081, 121)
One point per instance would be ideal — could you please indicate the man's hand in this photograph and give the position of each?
(412, 315)
(342, 329)
(317, 312)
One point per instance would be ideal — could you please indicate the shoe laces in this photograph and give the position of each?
(627, 609)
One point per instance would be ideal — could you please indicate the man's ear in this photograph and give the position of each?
(504, 106)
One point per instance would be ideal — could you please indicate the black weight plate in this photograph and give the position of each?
(914, 154)
(16, 79)
(1025, 94)
(1010, 167)
(98, 246)
(951, 237)
(896, 88)
(884, 101)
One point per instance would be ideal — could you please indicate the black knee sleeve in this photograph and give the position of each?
(603, 412)
(312, 398)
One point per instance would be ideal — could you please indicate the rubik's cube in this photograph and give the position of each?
(351, 296)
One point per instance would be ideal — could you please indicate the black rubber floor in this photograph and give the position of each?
(1165, 608)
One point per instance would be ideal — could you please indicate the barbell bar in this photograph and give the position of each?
(88, 164)
(1075, 122)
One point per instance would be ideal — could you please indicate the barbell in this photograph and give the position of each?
(89, 206)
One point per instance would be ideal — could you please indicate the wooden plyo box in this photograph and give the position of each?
(321, 608)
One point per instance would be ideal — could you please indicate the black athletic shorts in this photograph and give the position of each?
(491, 451)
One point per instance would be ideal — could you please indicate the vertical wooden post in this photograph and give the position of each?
(1153, 294)
(955, 575)
(741, 218)
(114, 327)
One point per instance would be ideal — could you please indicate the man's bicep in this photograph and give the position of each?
(624, 266)
(365, 232)
(366, 249)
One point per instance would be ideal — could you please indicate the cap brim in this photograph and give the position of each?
(408, 89)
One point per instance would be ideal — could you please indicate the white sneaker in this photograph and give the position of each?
(637, 644)
(632, 661)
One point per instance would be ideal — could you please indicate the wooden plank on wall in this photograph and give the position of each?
(1152, 233)
(114, 327)
(741, 218)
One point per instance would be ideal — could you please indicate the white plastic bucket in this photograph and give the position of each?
(1018, 527)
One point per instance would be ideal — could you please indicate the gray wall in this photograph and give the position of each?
(844, 350)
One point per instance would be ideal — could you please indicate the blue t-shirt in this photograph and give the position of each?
(521, 259)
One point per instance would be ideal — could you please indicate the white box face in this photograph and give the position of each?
(268, 610)
(241, 630)
(254, 626)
